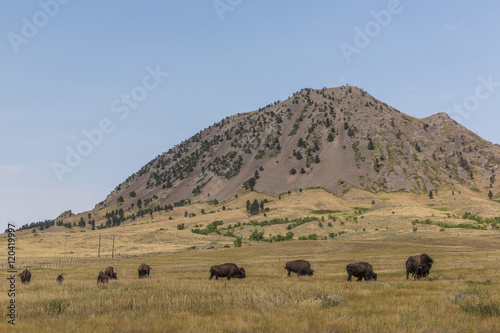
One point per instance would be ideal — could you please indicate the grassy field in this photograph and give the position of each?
(359, 214)
(461, 293)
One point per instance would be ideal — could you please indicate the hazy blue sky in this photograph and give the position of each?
(73, 66)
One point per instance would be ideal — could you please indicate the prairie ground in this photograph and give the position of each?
(461, 294)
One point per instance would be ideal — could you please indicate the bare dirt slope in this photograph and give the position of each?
(335, 139)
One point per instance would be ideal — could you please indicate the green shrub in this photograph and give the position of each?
(256, 235)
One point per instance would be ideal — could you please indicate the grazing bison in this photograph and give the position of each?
(361, 270)
(419, 266)
(110, 272)
(301, 267)
(102, 277)
(228, 270)
(425, 265)
(60, 279)
(144, 270)
(25, 276)
(412, 267)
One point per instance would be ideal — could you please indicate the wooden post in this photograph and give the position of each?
(65, 240)
(99, 250)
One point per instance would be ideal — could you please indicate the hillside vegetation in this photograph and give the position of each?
(311, 214)
(336, 139)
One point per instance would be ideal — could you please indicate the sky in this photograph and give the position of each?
(90, 91)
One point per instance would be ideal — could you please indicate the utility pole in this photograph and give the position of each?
(99, 250)
(65, 240)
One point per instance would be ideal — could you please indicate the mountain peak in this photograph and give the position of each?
(333, 138)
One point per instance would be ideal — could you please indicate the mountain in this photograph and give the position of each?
(335, 139)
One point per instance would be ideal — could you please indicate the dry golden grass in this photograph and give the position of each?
(460, 294)
(179, 297)
(391, 214)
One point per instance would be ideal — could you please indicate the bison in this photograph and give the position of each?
(25, 276)
(228, 270)
(412, 267)
(301, 267)
(102, 277)
(419, 266)
(425, 265)
(144, 270)
(110, 272)
(361, 270)
(60, 279)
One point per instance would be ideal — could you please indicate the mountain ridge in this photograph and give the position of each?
(333, 138)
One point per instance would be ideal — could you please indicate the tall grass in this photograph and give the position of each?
(179, 297)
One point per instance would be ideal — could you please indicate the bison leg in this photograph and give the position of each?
(349, 278)
(361, 278)
(289, 273)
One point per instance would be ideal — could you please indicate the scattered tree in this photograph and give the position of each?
(371, 146)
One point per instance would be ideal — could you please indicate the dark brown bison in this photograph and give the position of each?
(412, 265)
(110, 272)
(425, 265)
(301, 267)
(143, 270)
(361, 270)
(228, 270)
(102, 277)
(60, 279)
(25, 276)
(419, 266)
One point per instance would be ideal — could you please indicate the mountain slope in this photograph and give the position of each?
(334, 138)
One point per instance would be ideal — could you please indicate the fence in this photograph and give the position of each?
(55, 263)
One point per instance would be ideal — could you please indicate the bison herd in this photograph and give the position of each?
(418, 266)
(109, 273)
